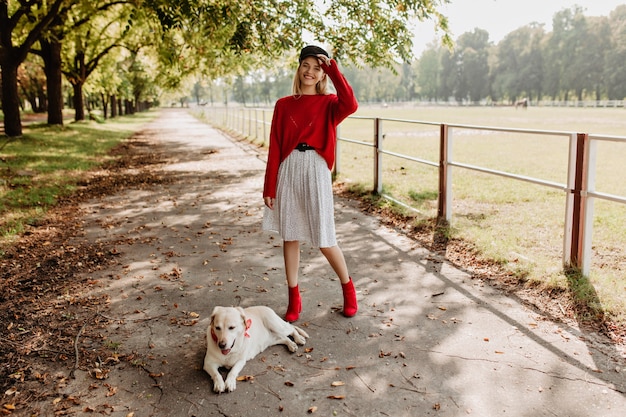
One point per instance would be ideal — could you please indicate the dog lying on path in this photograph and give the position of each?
(236, 335)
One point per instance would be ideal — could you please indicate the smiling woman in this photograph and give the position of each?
(298, 184)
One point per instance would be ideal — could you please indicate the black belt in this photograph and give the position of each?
(304, 147)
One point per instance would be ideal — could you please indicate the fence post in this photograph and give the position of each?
(582, 222)
(569, 201)
(249, 123)
(444, 209)
(264, 128)
(337, 167)
(378, 156)
(256, 123)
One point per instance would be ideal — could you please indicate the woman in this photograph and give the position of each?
(298, 184)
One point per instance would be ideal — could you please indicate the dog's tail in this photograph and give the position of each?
(302, 332)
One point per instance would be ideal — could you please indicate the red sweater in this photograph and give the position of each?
(311, 119)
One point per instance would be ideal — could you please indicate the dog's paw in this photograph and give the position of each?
(231, 384)
(291, 346)
(299, 339)
(219, 386)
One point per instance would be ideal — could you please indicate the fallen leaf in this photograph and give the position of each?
(311, 410)
(337, 383)
(289, 383)
(112, 391)
(442, 308)
(245, 378)
(99, 373)
(336, 397)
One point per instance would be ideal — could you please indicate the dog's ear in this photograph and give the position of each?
(215, 310)
(243, 315)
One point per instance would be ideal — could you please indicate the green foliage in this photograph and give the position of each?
(245, 34)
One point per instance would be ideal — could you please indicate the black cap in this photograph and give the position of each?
(312, 50)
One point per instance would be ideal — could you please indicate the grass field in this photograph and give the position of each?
(45, 164)
(517, 223)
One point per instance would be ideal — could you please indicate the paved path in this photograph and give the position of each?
(427, 341)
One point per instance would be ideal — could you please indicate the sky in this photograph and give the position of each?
(499, 17)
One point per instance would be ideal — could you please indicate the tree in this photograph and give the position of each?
(465, 70)
(519, 68)
(212, 37)
(86, 50)
(428, 73)
(563, 45)
(68, 20)
(406, 86)
(615, 70)
(21, 25)
(596, 49)
(474, 64)
(32, 83)
(245, 34)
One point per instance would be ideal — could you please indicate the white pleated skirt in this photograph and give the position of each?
(304, 208)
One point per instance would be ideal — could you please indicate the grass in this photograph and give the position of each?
(516, 223)
(44, 165)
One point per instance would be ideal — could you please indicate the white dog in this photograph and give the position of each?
(237, 335)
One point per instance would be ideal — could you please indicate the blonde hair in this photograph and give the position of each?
(320, 88)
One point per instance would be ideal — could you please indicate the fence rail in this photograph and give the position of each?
(579, 188)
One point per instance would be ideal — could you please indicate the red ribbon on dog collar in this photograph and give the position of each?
(248, 324)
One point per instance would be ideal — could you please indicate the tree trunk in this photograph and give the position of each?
(10, 98)
(113, 106)
(79, 107)
(105, 105)
(51, 54)
(42, 98)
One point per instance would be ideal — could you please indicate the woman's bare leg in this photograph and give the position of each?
(338, 263)
(335, 258)
(291, 254)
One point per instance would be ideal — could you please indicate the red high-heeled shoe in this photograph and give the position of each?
(295, 305)
(350, 306)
